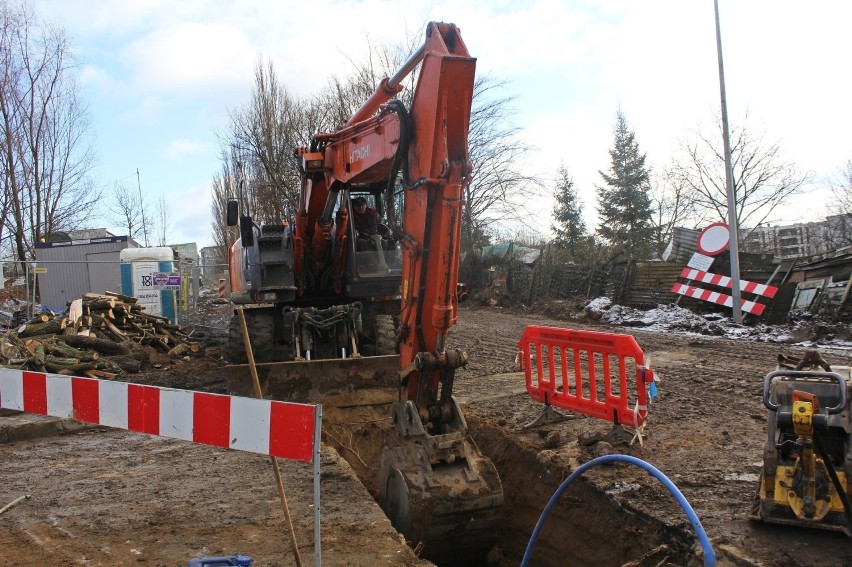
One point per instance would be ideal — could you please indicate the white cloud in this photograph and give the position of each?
(182, 147)
(188, 58)
(190, 214)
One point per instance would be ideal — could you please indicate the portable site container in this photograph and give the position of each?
(138, 266)
(68, 269)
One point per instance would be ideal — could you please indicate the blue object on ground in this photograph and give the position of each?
(225, 561)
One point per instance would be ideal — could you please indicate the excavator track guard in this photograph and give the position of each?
(435, 487)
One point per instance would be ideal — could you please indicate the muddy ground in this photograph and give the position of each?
(102, 497)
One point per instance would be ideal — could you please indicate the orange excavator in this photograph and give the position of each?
(332, 310)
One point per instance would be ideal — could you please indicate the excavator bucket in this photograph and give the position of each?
(338, 382)
(435, 487)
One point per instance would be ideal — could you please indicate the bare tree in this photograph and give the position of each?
(671, 207)
(763, 179)
(162, 222)
(840, 223)
(262, 137)
(224, 187)
(500, 190)
(126, 207)
(45, 149)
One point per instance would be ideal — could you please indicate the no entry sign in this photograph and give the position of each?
(714, 239)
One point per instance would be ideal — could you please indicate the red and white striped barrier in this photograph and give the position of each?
(221, 288)
(717, 298)
(279, 429)
(724, 281)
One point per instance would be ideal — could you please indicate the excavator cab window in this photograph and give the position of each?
(376, 250)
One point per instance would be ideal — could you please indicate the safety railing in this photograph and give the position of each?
(587, 372)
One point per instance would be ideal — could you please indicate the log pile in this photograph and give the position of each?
(100, 336)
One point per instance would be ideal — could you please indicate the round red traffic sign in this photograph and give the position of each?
(714, 239)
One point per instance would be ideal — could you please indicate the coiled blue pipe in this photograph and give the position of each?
(709, 555)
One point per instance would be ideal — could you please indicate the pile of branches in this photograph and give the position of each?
(100, 336)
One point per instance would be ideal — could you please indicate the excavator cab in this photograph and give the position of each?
(376, 251)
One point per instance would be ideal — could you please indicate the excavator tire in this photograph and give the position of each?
(261, 334)
(385, 335)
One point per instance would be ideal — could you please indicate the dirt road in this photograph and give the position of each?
(112, 498)
(705, 432)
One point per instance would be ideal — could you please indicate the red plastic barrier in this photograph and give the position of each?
(586, 372)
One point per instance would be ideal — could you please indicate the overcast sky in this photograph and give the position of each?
(159, 77)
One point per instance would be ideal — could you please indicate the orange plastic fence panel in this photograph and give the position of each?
(586, 372)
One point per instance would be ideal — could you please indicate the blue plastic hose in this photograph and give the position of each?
(709, 555)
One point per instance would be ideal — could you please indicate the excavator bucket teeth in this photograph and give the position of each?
(337, 382)
(432, 504)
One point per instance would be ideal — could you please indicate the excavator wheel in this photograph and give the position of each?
(261, 333)
(452, 509)
(385, 335)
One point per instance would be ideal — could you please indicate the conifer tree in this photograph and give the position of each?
(569, 226)
(624, 202)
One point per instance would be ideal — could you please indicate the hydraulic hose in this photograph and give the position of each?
(709, 555)
(841, 490)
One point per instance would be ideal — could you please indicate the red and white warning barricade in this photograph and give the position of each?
(279, 429)
(718, 298)
(587, 372)
(764, 290)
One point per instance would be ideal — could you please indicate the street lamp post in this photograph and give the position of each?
(734, 249)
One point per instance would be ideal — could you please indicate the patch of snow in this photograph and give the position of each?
(668, 318)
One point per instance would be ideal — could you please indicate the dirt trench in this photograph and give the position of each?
(583, 518)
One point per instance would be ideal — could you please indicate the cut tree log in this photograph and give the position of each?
(126, 363)
(179, 349)
(33, 329)
(95, 373)
(104, 304)
(61, 348)
(103, 346)
(75, 370)
(124, 298)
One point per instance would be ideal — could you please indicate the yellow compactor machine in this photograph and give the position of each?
(807, 460)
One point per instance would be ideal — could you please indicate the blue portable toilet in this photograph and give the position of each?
(138, 265)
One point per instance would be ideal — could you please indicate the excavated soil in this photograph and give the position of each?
(102, 497)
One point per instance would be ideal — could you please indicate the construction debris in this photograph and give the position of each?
(100, 336)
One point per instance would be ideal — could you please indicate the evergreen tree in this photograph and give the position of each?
(624, 203)
(569, 226)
